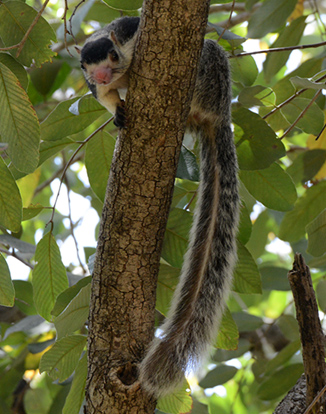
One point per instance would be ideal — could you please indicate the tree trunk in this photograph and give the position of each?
(121, 321)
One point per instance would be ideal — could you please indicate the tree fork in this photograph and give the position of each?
(139, 192)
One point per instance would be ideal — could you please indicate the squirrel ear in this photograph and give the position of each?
(113, 38)
(78, 49)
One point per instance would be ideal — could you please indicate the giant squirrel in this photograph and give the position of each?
(206, 275)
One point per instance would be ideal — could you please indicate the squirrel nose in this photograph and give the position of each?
(102, 76)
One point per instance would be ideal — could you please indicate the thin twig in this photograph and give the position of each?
(23, 41)
(322, 130)
(70, 20)
(191, 200)
(45, 183)
(64, 18)
(301, 114)
(229, 22)
(13, 254)
(3, 49)
(72, 226)
(279, 49)
(218, 8)
(317, 398)
(71, 160)
(240, 18)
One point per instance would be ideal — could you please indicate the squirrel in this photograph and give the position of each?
(206, 276)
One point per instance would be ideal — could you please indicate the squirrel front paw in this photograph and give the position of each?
(120, 116)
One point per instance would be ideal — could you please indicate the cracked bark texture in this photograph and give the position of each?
(121, 321)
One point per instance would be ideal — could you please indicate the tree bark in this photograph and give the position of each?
(121, 321)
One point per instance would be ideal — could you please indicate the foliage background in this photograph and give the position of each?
(278, 111)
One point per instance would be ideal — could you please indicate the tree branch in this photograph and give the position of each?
(121, 321)
(279, 49)
(312, 337)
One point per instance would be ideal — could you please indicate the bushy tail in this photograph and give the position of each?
(206, 276)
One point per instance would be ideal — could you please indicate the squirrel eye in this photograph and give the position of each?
(114, 55)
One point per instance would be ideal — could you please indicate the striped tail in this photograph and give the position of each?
(206, 276)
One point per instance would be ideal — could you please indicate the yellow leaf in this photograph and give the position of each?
(298, 11)
(319, 144)
(27, 186)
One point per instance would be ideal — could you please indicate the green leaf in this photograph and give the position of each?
(257, 146)
(228, 333)
(259, 235)
(176, 237)
(99, 153)
(50, 148)
(290, 36)
(233, 39)
(246, 274)
(218, 376)
(269, 17)
(247, 322)
(305, 83)
(183, 193)
(101, 12)
(7, 290)
(244, 70)
(24, 297)
(305, 210)
(76, 394)
(168, 279)
(225, 355)
(16, 68)
(37, 347)
(19, 124)
(283, 356)
(245, 225)
(316, 233)
(32, 211)
(176, 403)
(284, 88)
(75, 314)
(49, 275)
(37, 400)
(61, 360)
(280, 382)
(306, 165)
(289, 327)
(23, 247)
(321, 294)
(10, 200)
(274, 278)
(45, 77)
(257, 95)
(124, 4)
(16, 18)
(68, 295)
(312, 121)
(62, 122)
(187, 167)
(272, 186)
(28, 326)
